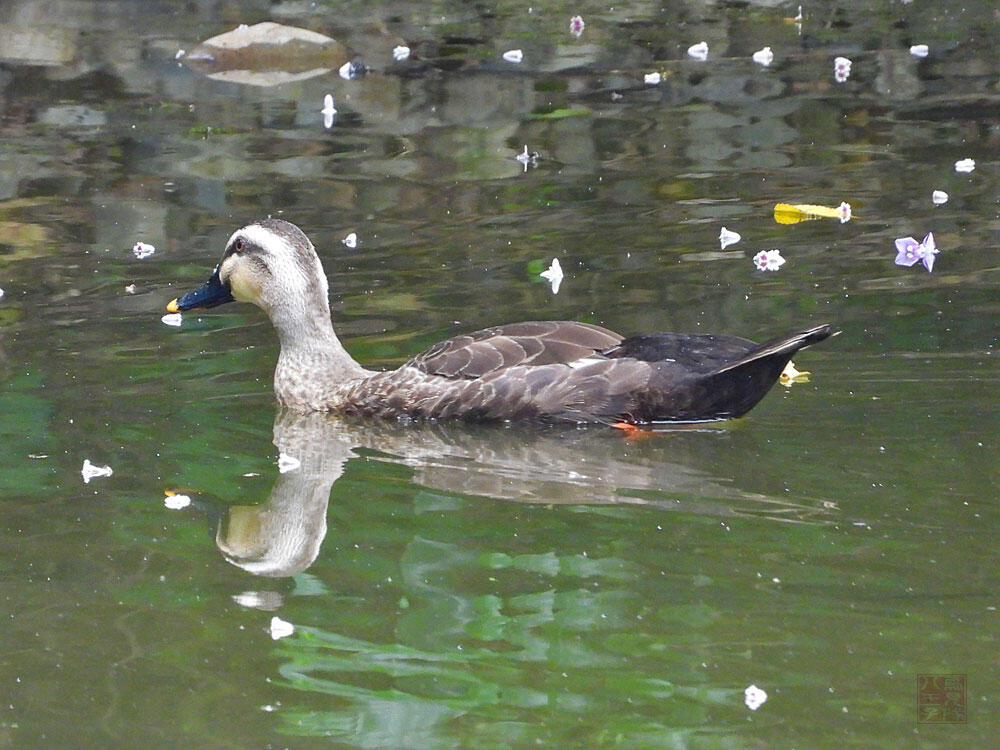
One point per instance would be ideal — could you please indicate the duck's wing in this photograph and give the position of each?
(539, 343)
(726, 391)
(695, 352)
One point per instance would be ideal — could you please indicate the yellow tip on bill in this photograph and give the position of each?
(172, 306)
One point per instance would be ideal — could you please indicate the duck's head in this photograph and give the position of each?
(270, 263)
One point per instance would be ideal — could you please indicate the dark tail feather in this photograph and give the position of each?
(783, 346)
(736, 388)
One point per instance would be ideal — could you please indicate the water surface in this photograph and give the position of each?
(479, 586)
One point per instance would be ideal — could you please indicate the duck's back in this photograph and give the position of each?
(534, 370)
(535, 343)
(577, 372)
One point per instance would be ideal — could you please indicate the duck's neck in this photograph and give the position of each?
(313, 367)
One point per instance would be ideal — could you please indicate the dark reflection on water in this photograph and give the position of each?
(531, 464)
(475, 586)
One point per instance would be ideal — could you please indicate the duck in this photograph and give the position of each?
(550, 371)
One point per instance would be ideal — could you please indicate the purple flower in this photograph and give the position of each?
(928, 251)
(909, 252)
(906, 251)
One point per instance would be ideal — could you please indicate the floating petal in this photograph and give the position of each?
(142, 250)
(513, 55)
(172, 319)
(699, 51)
(351, 70)
(651, 79)
(928, 249)
(768, 260)
(793, 213)
(841, 69)
(754, 697)
(727, 238)
(400, 52)
(280, 628)
(351, 240)
(176, 501)
(920, 50)
(907, 251)
(329, 111)
(90, 471)
(527, 158)
(763, 56)
(965, 165)
(576, 25)
(790, 375)
(939, 197)
(554, 275)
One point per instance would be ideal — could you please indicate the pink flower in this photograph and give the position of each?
(841, 69)
(768, 260)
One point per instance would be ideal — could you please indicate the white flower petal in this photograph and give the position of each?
(172, 319)
(554, 275)
(939, 197)
(90, 471)
(280, 628)
(142, 250)
(329, 111)
(400, 52)
(699, 51)
(351, 240)
(177, 502)
(349, 71)
(651, 79)
(763, 56)
(841, 69)
(754, 697)
(727, 238)
(965, 165)
(513, 55)
(768, 260)
(920, 50)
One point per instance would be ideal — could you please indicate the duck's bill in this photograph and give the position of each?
(210, 294)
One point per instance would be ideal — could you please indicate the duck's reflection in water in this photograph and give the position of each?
(522, 463)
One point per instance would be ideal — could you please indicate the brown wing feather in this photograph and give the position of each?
(549, 342)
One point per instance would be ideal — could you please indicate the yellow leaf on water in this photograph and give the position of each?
(793, 213)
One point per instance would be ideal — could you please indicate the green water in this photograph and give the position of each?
(485, 586)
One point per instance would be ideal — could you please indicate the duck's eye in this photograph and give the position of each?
(239, 246)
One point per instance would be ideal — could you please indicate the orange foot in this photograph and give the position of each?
(632, 431)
